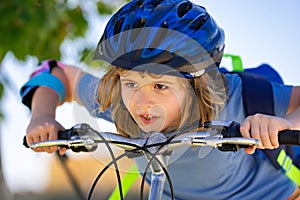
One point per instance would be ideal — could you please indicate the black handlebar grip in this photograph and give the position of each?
(25, 142)
(285, 137)
(289, 137)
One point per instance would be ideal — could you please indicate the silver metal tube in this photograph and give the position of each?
(111, 137)
(157, 185)
(158, 176)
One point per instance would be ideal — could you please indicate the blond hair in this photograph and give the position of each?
(204, 101)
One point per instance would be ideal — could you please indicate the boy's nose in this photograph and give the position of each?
(145, 96)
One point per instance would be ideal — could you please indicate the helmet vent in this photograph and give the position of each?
(139, 23)
(126, 27)
(198, 23)
(183, 9)
(118, 26)
(138, 4)
(156, 2)
(164, 25)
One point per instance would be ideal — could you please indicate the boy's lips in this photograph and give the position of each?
(147, 118)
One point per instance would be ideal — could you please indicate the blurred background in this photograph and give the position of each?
(33, 30)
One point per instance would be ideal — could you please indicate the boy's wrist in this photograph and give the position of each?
(43, 77)
(44, 102)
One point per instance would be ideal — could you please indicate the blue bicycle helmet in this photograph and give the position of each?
(174, 33)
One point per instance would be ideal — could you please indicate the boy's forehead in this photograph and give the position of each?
(145, 76)
(156, 69)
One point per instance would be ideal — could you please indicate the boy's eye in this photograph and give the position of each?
(160, 86)
(131, 85)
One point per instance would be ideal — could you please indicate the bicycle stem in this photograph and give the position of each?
(158, 160)
(158, 177)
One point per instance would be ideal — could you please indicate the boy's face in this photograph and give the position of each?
(154, 102)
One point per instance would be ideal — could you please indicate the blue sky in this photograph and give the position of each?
(261, 31)
(257, 30)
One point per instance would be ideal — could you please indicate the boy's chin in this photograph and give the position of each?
(149, 130)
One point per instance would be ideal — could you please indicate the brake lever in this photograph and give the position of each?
(76, 145)
(226, 137)
(219, 141)
(78, 138)
(50, 143)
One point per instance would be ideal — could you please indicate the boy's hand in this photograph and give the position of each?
(43, 129)
(265, 128)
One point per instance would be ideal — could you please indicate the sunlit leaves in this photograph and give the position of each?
(37, 27)
(104, 8)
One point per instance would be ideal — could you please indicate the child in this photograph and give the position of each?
(164, 77)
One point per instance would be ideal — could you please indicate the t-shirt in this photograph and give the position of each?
(215, 174)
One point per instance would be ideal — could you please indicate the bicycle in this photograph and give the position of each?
(224, 135)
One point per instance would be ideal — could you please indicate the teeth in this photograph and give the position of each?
(148, 117)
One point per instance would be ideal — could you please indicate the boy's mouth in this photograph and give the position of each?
(147, 118)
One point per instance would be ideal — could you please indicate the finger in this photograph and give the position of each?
(45, 137)
(273, 136)
(36, 139)
(250, 150)
(52, 136)
(245, 129)
(62, 151)
(264, 135)
(254, 130)
(30, 140)
(53, 133)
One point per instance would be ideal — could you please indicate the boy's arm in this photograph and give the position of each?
(44, 102)
(293, 114)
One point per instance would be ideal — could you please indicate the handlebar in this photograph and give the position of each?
(225, 136)
(157, 147)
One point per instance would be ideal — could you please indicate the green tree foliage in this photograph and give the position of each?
(38, 27)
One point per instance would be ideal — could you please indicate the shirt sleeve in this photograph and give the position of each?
(87, 91)
(281, 96)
